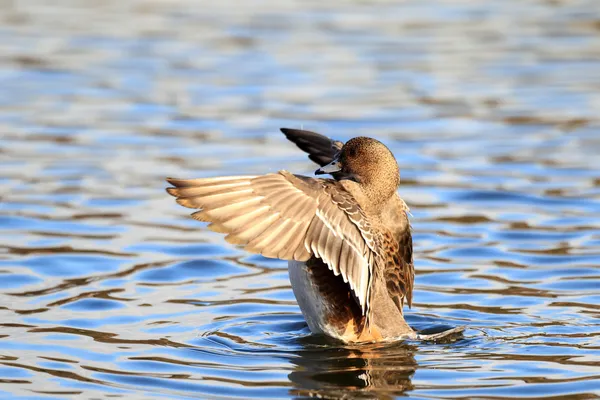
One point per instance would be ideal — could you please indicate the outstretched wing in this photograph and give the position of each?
(289, 217)
(320, 149)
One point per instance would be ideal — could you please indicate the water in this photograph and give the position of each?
(108, 289)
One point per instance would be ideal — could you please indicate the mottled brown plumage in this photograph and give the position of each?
(348, 239)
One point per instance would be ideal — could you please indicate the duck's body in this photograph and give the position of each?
(328, 304)
(347, 239)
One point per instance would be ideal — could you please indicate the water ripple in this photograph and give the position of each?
(109, 289)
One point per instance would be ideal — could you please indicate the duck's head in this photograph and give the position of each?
(368, 162)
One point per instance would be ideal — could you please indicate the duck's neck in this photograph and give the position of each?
(378, 187)
(378, 197)
(372, 198)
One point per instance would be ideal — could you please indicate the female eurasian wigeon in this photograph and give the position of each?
(348, 239)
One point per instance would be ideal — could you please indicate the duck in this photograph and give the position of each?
(347, 238)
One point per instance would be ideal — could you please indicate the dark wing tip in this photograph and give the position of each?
(288, 132)
(291, 132)
(320, 148)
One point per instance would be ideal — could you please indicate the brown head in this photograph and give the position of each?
(368, 162)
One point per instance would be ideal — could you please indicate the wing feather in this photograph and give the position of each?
(290, 217)
(233, 211)
(320, 149)
(249, 231)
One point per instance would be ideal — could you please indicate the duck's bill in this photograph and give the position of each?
(334, 166)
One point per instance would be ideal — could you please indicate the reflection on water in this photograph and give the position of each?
(109, 289)
(376, 371)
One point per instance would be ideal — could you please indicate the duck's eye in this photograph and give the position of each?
(352, 152)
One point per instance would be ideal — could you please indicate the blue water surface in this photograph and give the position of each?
(108, 289)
